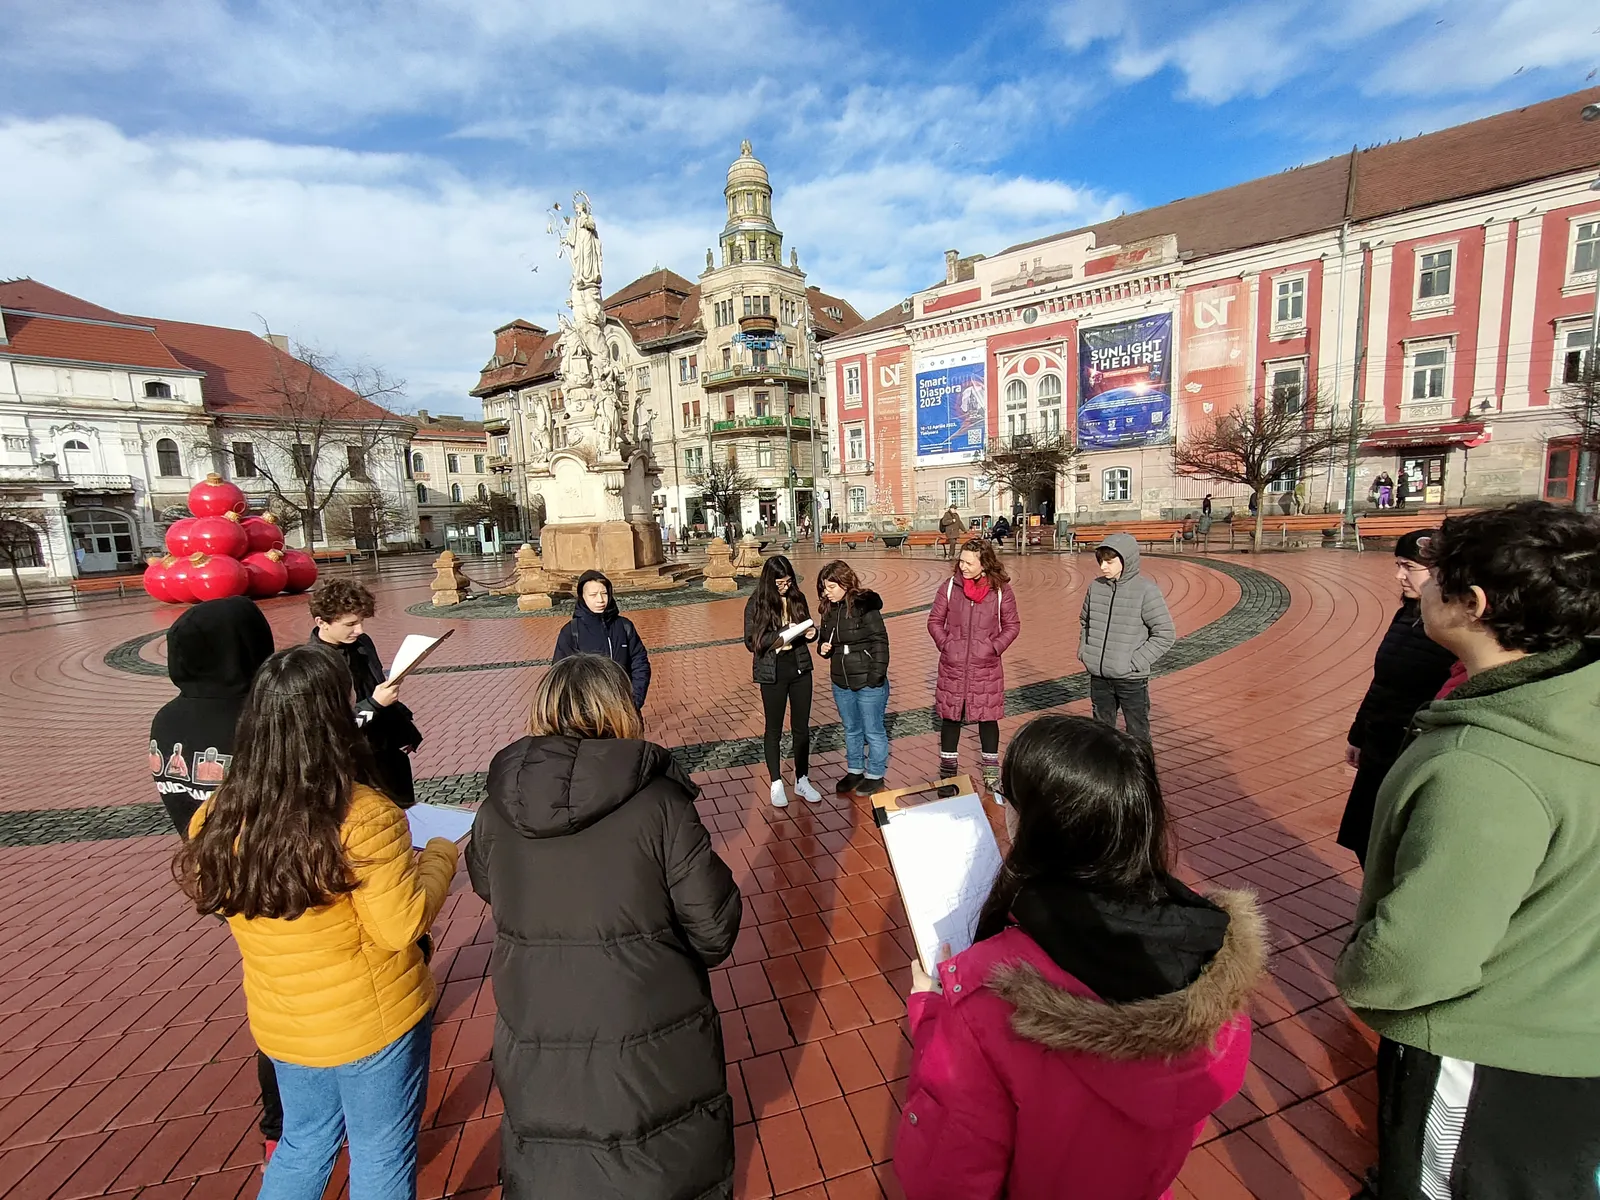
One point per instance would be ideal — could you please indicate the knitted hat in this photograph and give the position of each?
(1410, 545)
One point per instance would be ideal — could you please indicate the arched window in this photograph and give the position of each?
(102, 539)
(417, 463)
(616, 352)
(156, 390)
(1049, 389)
(483, 491)
(422, 493)
(455, 493)
(75, 444)
(168, 461)
(22, 544)
(1016, 392)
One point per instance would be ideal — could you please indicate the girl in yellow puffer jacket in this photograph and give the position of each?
(315, 873)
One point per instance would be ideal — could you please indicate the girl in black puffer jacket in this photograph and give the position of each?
(856, 644)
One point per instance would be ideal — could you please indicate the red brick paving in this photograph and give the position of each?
(125, 1063)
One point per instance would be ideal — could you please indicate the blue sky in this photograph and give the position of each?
(372, 177)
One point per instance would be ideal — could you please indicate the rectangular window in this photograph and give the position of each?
(748, 311)
(858, 502)
(1289, 477)
(357, 459)
(763, 404)
(825, 458)
(644, 378)
(1433, 277)
(727, 357)
(694, 459)
(855, 443)
(302, 460)
(452, 464)
(1286, 385)
(477, 463)
(1575, 346)
(1427, 373)
(688, 368)
(1116, 485)
(764, 455)
(1290, 306)
(502, 445)
(1586, 248)
(955, 493)
(1050, 422)
(758, 357)
(852, 382)
(729, 407)
(244, 460)
(1560, 471)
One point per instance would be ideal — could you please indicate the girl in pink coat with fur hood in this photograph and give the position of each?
(974, 620)
(1073, 1052)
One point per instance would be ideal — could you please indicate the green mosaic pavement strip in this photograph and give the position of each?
(497, 608)
(1262, 600)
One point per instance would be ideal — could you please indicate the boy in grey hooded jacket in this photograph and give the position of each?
(1125, 629)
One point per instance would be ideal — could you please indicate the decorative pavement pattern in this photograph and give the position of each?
(125, 1061)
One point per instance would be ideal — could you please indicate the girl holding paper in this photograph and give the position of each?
(777, 628)
(856, 644)
(315, 872)
(1075, 1049)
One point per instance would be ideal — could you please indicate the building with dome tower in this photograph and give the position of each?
(720, 369)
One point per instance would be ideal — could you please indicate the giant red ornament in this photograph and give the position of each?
(268, 574)
(155, 580)
(213, 496)
(302, 570)
(263, 533)
(176, 579)
(178, 535)
(217, 576)
(219, 536)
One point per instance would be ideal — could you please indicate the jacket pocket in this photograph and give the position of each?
(918, 1159)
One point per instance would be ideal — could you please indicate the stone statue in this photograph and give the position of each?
(538, 428)
(581, 238)
(709, 262)
(794, 259)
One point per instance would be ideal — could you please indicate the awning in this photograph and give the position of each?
(1460, 433)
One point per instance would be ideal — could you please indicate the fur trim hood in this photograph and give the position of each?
(1169, 1026)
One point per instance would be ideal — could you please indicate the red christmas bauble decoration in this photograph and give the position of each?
(217, 576)
(177, 580)
(214, 496)
(178, 535)
(155, 580)
(302, 570)
(263, 533)
(268, 574)
(219, 536)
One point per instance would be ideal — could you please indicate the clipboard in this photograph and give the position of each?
(420, 656)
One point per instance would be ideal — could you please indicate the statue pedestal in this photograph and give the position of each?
(629, 552)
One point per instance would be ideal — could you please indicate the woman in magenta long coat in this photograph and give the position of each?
(974, 619)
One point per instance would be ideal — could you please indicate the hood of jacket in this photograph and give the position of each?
(865, 601)
(554, 786)
(215, 648)
(1548, 701)
(1127, 548)
(582, 612)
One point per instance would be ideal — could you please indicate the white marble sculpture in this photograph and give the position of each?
(594, 383)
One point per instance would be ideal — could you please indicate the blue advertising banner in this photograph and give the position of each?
(952, 407)
(1125, 384)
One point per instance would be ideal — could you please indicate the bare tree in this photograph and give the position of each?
(325, 424)
(498, 510)
(367, 511)
(22, 536)
(1258, 445)
(723, 485)
(1027, 463)
(1580, 410)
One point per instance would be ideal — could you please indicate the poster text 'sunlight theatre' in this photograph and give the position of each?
(952, 406)
(1125, 382)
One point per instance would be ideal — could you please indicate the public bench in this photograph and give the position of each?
(851, 538)
(1394, 524)
(1145, 532)
(105, 585)
(1282, 524)
(922, 537)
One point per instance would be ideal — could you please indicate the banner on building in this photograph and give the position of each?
(1216, 357)
(886, 373)
(1125, 383)
(952, 406)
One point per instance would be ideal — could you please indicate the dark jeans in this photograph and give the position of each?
(1132, 696)
(792, 690)
(950, 736)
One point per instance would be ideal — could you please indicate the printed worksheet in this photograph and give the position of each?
(435, 820)
(945, 858)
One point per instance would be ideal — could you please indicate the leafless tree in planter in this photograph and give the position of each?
(366, 513)
(724, 485)
(1027, 463)
(1256, 446)
(22, 535)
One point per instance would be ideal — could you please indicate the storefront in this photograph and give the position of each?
(1425, 462)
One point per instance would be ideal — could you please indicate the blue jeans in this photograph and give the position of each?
(865, 739)
(377, 1100)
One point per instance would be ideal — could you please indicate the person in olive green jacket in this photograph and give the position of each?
(1476, 946)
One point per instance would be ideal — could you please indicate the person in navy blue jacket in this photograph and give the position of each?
(598, 628)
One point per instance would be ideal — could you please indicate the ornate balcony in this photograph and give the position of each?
(745, 375)
(500, 462)
(757, 425)
(102, 483)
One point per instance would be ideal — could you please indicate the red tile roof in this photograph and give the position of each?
(825, 323)
(30, 295)
(87, 341)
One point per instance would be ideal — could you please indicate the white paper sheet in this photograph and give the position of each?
(945, 858)
(412, 650)
(795, 631)
(433, 820)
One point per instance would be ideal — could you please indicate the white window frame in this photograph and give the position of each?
(855, 443)
(858, 501)
(1116, 485)
(852, 381)
(1274, 367)
(644, 378)
(1427, 346)
(1284, 483)
(1576, 280)
(1583, 327)
(957, 492)
(764, 455)
(1435, 305)
(1282, 290)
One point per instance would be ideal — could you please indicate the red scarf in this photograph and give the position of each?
(977, 590)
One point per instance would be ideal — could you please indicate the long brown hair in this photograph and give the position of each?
(270, 845)
(987, 558)
(585, 696)
(766, 605)
(838, 571)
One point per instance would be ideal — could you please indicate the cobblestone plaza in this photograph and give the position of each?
(125, 1061)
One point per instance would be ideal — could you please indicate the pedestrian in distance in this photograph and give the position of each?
(610, 907)
(974, 620)
(781, 667)
(214, 650)
(1124, 629)
(598, 627)
(1078, 1046)
(1205, 505)
(1001, 533)
(954, 530)
(1407, 672)
(339, 607)
(1402, 489)
(856, 645)
(314, 869)
(1475, 952)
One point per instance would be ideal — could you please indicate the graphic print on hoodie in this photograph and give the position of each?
(608, 634)
(213, 653)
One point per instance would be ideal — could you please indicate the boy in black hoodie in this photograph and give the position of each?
(597, 627)
(213, 652)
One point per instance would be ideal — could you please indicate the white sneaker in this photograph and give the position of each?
(780, 798)
(807, 793)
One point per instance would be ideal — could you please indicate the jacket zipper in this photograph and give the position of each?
(1110, 612)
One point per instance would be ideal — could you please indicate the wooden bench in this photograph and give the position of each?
(97, 585)
(1146, 532)
(851, 538)
(922, 537)
(1282, 524)
(344, 556)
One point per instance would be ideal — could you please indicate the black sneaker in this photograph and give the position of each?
(848, 784)
(870, 787)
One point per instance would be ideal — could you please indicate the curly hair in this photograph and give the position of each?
(987, 558)
(1538, 565)
(838, 571)
(334, 598)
